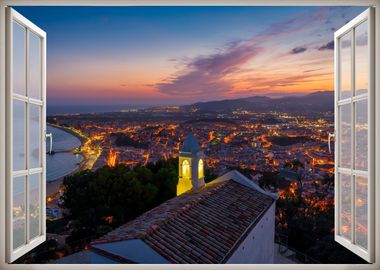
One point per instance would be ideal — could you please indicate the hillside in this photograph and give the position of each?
(315, 102)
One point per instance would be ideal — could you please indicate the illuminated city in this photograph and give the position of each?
(258, 142)
(241, 139)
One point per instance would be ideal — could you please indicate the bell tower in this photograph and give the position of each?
(191, 165)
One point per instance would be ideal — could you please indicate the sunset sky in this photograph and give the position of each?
(180, 55)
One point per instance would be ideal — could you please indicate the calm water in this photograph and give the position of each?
(61, 164)
(64, 109)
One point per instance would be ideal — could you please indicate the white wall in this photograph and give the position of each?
(258, 246)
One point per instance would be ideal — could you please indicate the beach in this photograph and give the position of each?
(88, 156)
(53, 186)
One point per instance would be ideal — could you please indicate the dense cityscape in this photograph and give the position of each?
(255, 142)
(243, 139)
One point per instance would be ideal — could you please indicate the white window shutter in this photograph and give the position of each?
(25, 132)
(354, 135)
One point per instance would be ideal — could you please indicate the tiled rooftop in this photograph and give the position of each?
(200, 226)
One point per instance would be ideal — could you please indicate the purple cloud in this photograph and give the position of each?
(298, 50)
(327, 46)
(205, 73)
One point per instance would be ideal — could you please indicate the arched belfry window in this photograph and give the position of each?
(200, 169)
(185, 169)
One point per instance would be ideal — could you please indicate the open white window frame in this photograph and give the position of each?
(376, 146)
(32, 169)
(347, 168)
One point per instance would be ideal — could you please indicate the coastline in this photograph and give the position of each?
(79, 137)
(53, 186)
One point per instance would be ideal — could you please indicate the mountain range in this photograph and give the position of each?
(321, 101)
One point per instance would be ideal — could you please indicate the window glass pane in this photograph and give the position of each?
(346, 217)
(361, 135)
(345, 66)
(19, 162)
(361, 58)
(34, 205)
(35, 136)
(19, 212)
(361, 211)
(34, 89)
(18, 63)
(345, 136)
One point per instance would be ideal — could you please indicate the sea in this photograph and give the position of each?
(62, 162)
(83, 109)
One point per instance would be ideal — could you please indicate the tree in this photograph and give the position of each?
(96, 202)
(269, 179)
(209, 176)
(166, 180)
(328, 181)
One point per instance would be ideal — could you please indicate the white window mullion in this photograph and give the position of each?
(27, 189)
(337, 190)
(43, 128)
(353, 137)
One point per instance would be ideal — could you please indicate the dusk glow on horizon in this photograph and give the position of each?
(181, 55)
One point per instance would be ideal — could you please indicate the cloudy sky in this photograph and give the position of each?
(179, 55)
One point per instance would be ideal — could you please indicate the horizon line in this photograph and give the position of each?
(147, 105)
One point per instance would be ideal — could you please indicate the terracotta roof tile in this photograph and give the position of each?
(200, 226)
